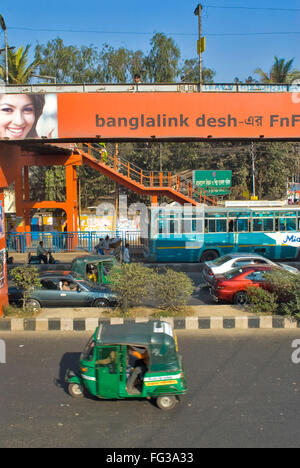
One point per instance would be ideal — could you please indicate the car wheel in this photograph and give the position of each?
(208, 255)
(241, 298)
(75, 390)
(101, 303)
(166, 402)
(33, 305)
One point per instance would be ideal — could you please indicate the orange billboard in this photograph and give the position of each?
(177, 115)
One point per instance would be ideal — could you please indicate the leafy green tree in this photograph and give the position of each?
(190, 72)
(130, 282)
(171, 290)
(115, 64)
(261, 301)
(27, 279)
(286, 286)
(281, 72)
(19, 71)
(161, 65)
(68, 64)
(55, 183)
(279, 161)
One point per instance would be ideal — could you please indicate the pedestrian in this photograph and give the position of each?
(137, 78)
(126, 256)
(99, 247)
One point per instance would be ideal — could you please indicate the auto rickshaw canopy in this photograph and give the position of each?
(80, 264)
(157, 336)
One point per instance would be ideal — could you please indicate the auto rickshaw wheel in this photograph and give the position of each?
(166, 402)
(75, 390)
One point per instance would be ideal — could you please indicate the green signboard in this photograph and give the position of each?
(215, 182)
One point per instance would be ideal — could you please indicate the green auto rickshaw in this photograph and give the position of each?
(96, 268)
(105, 369)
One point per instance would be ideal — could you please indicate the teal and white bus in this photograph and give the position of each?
(199, 234)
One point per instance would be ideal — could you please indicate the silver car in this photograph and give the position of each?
(235, 260)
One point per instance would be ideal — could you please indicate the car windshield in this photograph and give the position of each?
(233, 273)
(220, 261)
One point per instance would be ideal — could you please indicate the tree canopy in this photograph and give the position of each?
(281, 72)
(19, 72)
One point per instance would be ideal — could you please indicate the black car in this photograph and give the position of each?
(65, 290)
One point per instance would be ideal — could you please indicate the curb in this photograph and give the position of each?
(187, 323)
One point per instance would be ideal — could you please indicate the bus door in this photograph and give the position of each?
(108, 371)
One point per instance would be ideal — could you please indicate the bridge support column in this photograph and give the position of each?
(154, 200)
(72, 205)
(27, 226)
(3, 271)
(19, 198)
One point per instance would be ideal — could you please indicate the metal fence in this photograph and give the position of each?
(59, 242)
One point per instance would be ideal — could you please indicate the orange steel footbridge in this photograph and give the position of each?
(150, 183)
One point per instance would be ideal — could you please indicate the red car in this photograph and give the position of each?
(231, 286)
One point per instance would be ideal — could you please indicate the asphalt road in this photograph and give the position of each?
(243, 392)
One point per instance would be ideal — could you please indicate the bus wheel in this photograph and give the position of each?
(166, 402)
(209, 255)
(241, 298)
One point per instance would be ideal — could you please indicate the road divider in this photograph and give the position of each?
(186, 323)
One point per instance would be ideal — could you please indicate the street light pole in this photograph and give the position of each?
(197, 12)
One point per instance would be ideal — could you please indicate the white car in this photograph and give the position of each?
(235, 260)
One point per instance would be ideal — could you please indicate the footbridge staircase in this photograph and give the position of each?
(150, 183)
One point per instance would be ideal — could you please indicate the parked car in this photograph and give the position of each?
(231, 286)
(236, 260)
(65, 290)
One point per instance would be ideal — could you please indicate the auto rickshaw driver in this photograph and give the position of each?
(138, 363)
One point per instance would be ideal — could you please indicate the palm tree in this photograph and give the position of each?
(281, 72)
(19, 72)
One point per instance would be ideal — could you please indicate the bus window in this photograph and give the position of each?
(211, 225)
(291, 224)
(221, 225)
(268, 225)
(257, 225)
(243, 225)
(174, 226)
(282, 225)
(186, 226)
(232, 225)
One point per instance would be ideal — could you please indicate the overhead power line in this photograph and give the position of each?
(124, 33)
(251, 8)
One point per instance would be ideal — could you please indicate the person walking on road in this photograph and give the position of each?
(126, 257)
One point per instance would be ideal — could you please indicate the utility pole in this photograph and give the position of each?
(253, 167)
(198, 12)
(160, 157)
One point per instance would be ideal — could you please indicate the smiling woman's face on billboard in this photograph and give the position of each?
(17, 116)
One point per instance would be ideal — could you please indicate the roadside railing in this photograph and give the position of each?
(60, 242)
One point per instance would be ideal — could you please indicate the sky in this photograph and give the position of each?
(241, 35)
